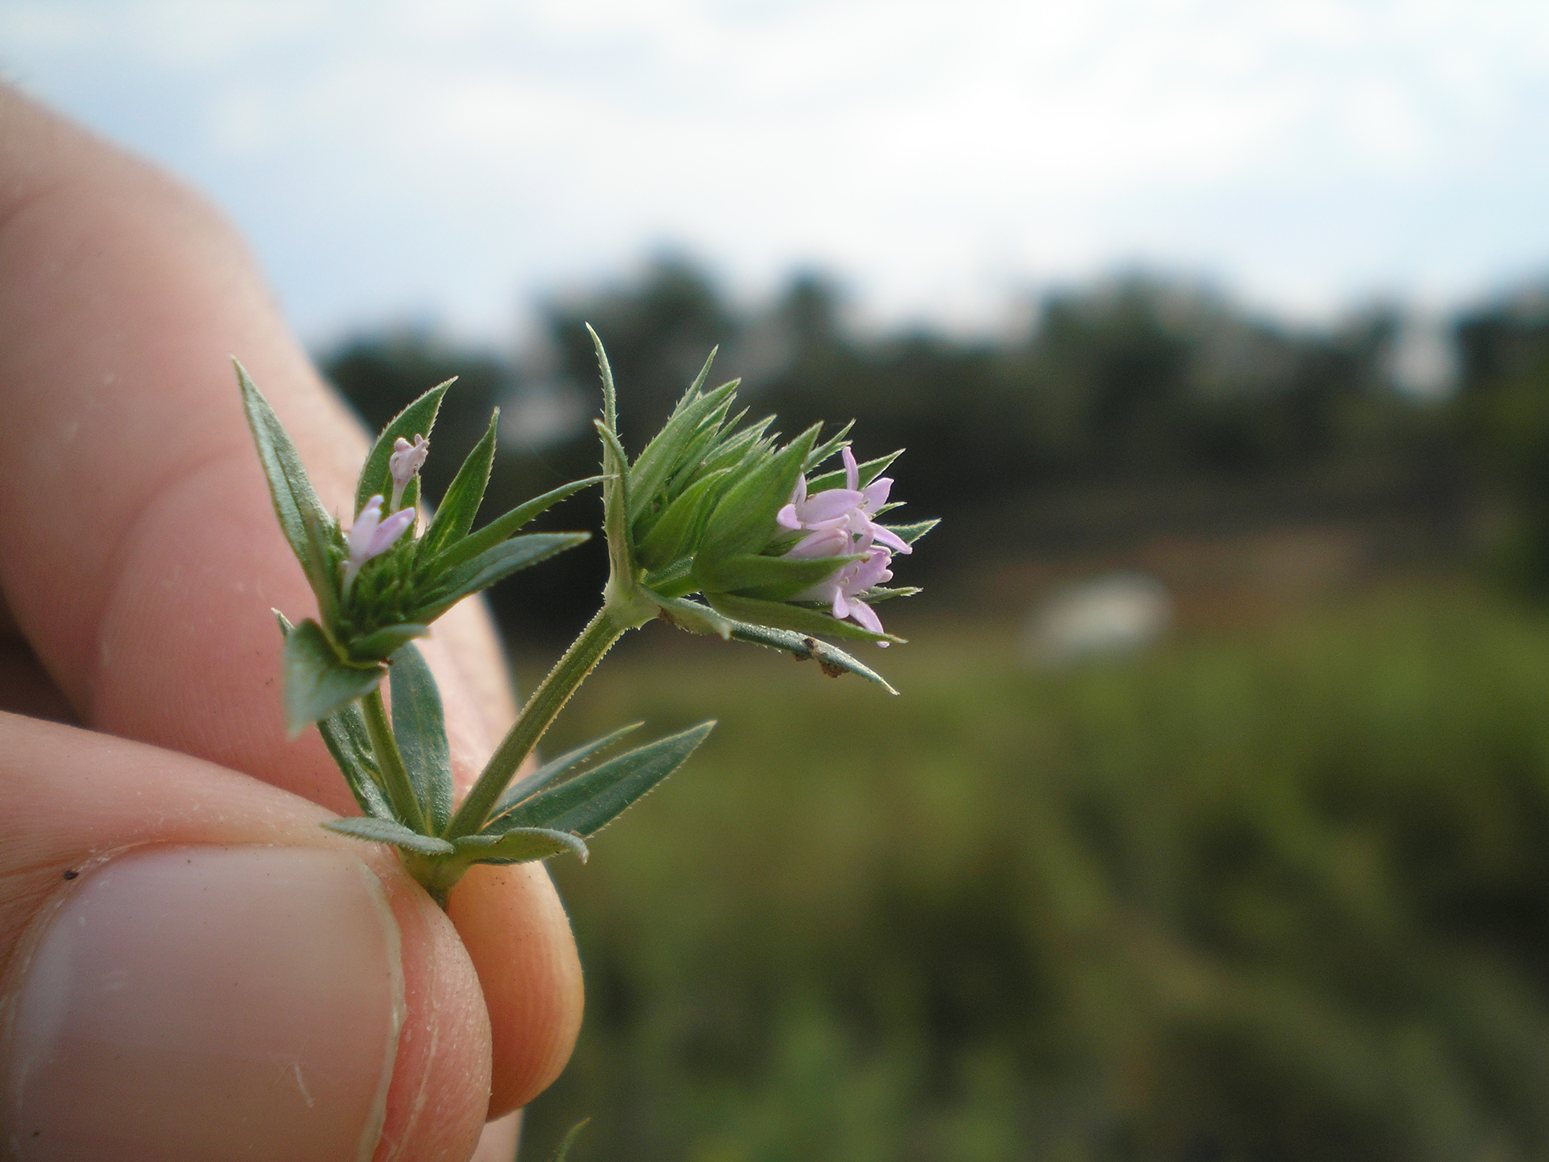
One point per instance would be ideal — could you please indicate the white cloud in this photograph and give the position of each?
(449, 154)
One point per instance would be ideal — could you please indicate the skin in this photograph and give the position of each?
(138, 660)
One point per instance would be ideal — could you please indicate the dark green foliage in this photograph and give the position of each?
(1280, 895)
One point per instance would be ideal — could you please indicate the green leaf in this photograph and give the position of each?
(454, 516)
(566, 1144)
(317, 682)
(663, 456)
(295, 501)
(771, 578)
(744, 518)
(737, 447)
(344, 734)
(556, 769)
(867, 472)
(831, 659)
(381, 644)
(913, 532)
(590, 801)
(887, 592)
(610, 403)
(615, 507)
(800, 618)
(504, 525)
(521, 845)
(829, 447)
(420, 728)
(673, 534)
(490, 566)
(415, 420)
(392, 832)
(692, 617)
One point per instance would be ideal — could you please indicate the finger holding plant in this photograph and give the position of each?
(716, 527)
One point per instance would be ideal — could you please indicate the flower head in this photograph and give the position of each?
(841, 522)
(371, 536)
(407, 459)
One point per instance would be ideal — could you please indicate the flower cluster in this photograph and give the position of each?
(841, 522)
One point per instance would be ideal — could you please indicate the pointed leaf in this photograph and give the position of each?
(295, 501)
(590, 801)
(454, 516)
(692, 617)
(420, 728)
(344, 734)
(771, 578)
(381, 644)
(673, 534)
(662, 456)
(744, 518)
(392, 832)
(521, 845)
(503, 526)
(801, 618)
(913, 532)
(803, 647)
(491, 566)
(829, 447)
(610, 403)
(415, 420)
(556, 769)
(317, 682)
(867, 472)
(615, 506)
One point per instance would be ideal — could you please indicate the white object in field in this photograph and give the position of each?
(1117, 613)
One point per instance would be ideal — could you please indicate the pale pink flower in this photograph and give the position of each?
(371, 536)
(843, 591)
(406, 460)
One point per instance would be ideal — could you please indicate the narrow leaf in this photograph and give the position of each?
(295, 501)
(772, 578)
(663, 455)
(521, 845)
(393, 832)
(415, 420)
(615, 506)
(800, 618)
(317, 682)
(590, 801)
(344, 734)
(692, 617)
(454, 516)
(492, 565)
(744, 518)
(867, 472)
(674, 532)
(829, 447)
(803, 647)
(913, 532)
(420, 728)
(503, 526)
(381, 644)
(610, 403)
(556, 769)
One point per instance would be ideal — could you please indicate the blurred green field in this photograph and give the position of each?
(1279, 893)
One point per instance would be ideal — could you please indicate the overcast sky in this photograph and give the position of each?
(456, 160)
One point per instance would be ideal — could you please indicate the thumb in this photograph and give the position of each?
(190, 968)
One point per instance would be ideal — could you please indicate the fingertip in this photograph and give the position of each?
(515, 930)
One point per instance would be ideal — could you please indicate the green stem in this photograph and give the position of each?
(389, 760)
(612, 621)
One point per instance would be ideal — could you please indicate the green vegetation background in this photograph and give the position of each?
(1272, 894)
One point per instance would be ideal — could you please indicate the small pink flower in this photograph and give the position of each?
(406, 460)
(371, 536)
(840, 522)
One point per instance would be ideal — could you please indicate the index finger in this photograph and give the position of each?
(138, 552)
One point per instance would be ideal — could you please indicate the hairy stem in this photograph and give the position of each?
(389, 760)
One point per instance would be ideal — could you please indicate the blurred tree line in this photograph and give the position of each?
(1153, 391)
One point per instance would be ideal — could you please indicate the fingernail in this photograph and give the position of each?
(205, 1003)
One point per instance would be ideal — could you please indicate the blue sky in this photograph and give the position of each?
(456, 161)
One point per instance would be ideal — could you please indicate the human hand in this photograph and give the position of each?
(190, 967)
